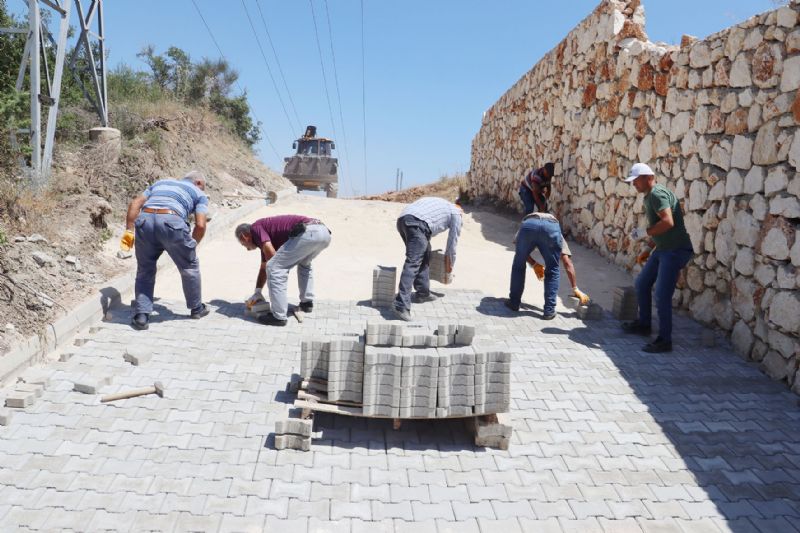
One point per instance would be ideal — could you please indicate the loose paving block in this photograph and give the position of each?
(292, 442)
(625, 306)
(19, 400)
(384, 281)
(465, 334)
(35, 376)
(136, 355)
(91, 385)
(66, 356)
(437, 270)
(294, 426)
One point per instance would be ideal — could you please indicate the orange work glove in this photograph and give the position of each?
(581, 296)
(642, 257)
(127, 241)
(538, 269)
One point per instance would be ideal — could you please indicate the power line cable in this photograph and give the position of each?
(269, 70)
(277, 62)
(238, 85)
(364, 94)
(322, 66)
(338, 92)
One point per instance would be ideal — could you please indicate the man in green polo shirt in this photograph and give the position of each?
(671, 249)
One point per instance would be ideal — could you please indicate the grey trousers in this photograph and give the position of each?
(298, 251)
(156, 234)
(416, 270)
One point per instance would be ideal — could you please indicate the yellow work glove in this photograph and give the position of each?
(581, 296)
(642, 257)
(538, 269)
(255, 299)
(126, 243)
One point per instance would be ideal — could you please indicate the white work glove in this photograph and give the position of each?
(638, 233)
(448, 278)
(256, 298)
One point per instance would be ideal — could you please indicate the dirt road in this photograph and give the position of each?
(364, 235)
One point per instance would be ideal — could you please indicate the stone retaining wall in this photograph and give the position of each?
(716, 118)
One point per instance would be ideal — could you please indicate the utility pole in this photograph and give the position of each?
(38, 42)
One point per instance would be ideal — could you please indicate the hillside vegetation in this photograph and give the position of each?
(57, 244)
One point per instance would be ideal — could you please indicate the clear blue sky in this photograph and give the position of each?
(432, 67)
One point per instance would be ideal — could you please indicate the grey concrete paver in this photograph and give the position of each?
(605, 438)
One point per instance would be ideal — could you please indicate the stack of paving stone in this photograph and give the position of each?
(591, 311)
(384, 280)
(293, 433)
(345, 369)
(437, 270)
(407, 371)
(625, 306)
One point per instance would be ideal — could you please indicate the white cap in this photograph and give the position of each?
(639, 169)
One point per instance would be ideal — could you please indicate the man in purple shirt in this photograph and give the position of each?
(285, 241)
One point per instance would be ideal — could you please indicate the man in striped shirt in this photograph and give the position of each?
(417, 224)
(158, 221)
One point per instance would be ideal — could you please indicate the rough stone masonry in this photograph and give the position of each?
(716, 118)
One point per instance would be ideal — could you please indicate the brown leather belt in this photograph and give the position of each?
(159, 211)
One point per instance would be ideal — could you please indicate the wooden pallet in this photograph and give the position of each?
(492, 430)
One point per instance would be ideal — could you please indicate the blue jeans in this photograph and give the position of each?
(546, 236)
(416, 270)
(662, 270)
(156, 234)
(526, 196)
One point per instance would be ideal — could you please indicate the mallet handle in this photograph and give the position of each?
(128, 394)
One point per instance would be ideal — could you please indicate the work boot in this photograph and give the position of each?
(635, 328)
(659, 345)
(140, 321)
(270, 320)
(549, 316)
(419, 298)
(402, 314)
(307, 307)
(200, 311)
(511, 306)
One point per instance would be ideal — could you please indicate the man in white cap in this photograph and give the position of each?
(669, 249)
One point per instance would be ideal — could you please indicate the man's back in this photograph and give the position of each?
(181, 196)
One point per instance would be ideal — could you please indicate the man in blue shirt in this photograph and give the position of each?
(160, 217)
(417, 223)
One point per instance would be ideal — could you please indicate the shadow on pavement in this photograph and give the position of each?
(491, 306)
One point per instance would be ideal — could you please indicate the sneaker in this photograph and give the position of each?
(140, 321)
(270, 320)
(511, 306)
(549, 316)
(419, 298)
(659, 345)
(402, 314)
(635, 328)
(307, 307)
(200, 312)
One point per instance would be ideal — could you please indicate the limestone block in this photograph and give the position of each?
(787, 17)
(775, 366)
(20, 399)
(775, 245)
(794, 254)
(745, 261)
(788, 207)
(793, 42)
(136, 355)
(794, 152)
(784, 344)
(698, 194)
(742, 297)
(777, 181)
(746, 229)
(790, 81)
(785, 309)
(734, 184)
(741, 156)
(724, 243)
(765, 274)
(765, 151)
(742, 338)
(702, 307)
(680, 126)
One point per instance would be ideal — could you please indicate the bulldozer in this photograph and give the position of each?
(312, 168)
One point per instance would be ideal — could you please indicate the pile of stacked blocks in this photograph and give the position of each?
(408, 371)
(384, 280)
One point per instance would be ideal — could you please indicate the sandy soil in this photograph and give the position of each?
(364, 235)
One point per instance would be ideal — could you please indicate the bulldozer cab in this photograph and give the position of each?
(313, 168)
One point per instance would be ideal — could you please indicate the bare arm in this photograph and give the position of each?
(133, 211)
(200, 222)
(664, 224)
(570, 268)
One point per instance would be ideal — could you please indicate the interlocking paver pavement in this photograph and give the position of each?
(606, 438)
